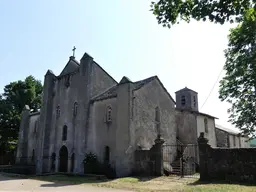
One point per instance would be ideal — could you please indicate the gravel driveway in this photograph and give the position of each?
(16, 184)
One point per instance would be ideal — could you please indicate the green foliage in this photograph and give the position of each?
(16, 95)
(238, 87)
(169, 12)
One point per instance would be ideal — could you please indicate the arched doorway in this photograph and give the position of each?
(63, 167)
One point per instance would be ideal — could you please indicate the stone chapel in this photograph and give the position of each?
(85, 110)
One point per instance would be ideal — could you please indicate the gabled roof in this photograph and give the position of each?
(185, 89)
(228, 130)
(70, 67)
(112, 92)
(125, 80)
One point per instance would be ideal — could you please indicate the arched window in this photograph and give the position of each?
(206, 125)
(107, 155)
(64, 133)
(183, 100)
(67, 80)
(58, 112)
(109, 114)
(75, 109)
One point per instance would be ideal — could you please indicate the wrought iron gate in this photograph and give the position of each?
(181, 159)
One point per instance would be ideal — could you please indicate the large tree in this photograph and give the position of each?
(16, 95)
(169, 12)
(238, 86)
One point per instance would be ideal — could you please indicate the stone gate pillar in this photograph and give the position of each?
(203, 156)
(157, 149)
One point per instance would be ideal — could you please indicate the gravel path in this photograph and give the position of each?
(16, 184)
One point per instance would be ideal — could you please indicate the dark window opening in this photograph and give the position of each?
(67, 80)
(64, 133)
(183, 100)
(194, 101)
(58, 112)
(75, 109)
(107, 155)
(33, 156)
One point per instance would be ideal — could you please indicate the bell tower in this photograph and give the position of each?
(187, 99)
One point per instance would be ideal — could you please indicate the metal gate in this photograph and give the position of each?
(181, 160)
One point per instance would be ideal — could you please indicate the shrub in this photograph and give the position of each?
(93, 166)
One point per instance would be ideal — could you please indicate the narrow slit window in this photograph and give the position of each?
(64, 133)
(206, 125)
(58, 112)
(75, 109)
(183, 100)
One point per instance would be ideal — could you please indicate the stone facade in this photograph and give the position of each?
(85, 110)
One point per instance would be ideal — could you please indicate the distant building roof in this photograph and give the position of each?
(228, 130)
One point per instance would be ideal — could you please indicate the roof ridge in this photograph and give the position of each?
(151, 77)
(102, 93)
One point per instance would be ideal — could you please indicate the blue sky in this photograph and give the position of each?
(122, 36)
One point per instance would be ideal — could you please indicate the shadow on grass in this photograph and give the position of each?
(223, 182)
(58, 180)
(62, 180)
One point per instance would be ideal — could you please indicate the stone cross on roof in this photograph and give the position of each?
(74, 50)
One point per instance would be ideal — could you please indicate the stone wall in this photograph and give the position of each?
(236, 164)
(149, 162)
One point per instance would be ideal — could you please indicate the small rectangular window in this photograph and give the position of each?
(183, 100)
(206, 125)
(194, 101)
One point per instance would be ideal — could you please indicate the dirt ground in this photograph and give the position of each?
(16, 184)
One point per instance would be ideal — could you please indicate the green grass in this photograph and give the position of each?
(143, 184)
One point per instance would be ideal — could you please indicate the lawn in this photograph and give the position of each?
(161, 184)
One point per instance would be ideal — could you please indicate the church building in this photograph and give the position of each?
(85, 110)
